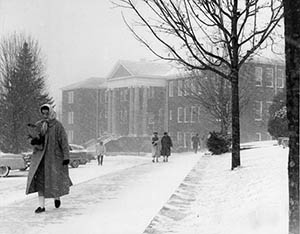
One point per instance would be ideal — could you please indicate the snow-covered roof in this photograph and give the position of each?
(277, 60)
(90, 83)
(141, 68)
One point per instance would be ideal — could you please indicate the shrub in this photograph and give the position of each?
(218, 143)
(278, 123)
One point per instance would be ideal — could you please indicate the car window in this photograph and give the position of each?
(76, 147)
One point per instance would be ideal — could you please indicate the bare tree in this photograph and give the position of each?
(214, 94)
(292, 50)
(214, 35)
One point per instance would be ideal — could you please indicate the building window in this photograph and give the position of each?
(270, 137)
(280, 78)
(105, 114)
(71, 97)
(258, 136)
(171, 88)
(151, 119)
(193, 114)
(180, 87)
(258, 110)
(179, 114)
(70, 117)
(125, 115)
(121, 115)
(170, 115)
(186, 109)
(151, 92)
(193, 87)
(180, 138)
(187, 87)
(185, 140)
(269, 103)
(160, 114)
(269, 77)
(199, 114)
(258, 76)
(70, 136)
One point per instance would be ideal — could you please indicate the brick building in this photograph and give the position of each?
(80, 104)
(138, 98)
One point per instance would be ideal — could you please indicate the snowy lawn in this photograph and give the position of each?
(251, 199)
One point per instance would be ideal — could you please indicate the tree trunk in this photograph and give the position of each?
(235, 110)
(292, 50)
(222, 105)
(235, 161)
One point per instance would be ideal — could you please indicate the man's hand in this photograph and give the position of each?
(66, 162)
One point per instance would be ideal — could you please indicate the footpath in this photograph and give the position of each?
(178, 208)
(123, 202)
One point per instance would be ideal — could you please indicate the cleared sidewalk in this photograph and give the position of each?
(122, 202)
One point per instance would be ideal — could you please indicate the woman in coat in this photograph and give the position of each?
(49, 174)
(166, 144)
(155, 147)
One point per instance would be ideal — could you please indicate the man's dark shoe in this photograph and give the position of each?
(40, 210)
(57, 203)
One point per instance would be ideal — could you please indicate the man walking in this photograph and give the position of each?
(100, 152)
(166, 144)
(195, 141)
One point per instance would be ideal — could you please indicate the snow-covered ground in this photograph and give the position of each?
(252, 199)
(122, 201)
(212, 199)
(12, 188)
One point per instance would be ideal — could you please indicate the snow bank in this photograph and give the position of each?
(250, 199)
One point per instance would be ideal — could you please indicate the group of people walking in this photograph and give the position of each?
(49, 174)
(161, 147)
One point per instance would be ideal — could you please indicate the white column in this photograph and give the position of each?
(131, 109)
(113, 112)
(109, 119)
(166, 114)
(136, 111)
(145, 110)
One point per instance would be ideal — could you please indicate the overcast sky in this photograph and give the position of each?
(79, 38)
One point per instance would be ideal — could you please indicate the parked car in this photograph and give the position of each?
(10, 161)
(78, 155)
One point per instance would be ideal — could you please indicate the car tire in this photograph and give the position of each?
(4, 171)
(74, 164)
(84, 162)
